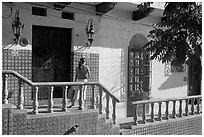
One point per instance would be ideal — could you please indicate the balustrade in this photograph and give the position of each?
(143, 114)
(93, 106)
(50, 100)
(100, 100)
(167, 110)
(35, 101)
(107, 106)
(152, 112)
(180, 108)
(186, 108)
(192, 106)
(113, 115)
(64, 100)
(37, 85)
(174, 109)
(20, 95)
(173, 115)
(198, 106)
(159, 112)
(5, 89)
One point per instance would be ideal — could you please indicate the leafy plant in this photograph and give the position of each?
(178, 37)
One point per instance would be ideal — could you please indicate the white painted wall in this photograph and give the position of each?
(167, 86)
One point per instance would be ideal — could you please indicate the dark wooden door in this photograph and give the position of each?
(51, 57)
(138, 78)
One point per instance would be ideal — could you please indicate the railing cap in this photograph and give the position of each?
(57, 83)
(164, 100)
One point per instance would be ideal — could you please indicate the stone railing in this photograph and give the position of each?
(189, 102)
(36, 85)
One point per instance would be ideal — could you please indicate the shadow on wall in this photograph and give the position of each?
(175, 80)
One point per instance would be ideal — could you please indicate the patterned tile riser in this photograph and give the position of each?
(190, 126)
(22, 124)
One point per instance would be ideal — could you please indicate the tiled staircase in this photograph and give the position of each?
(57, 123)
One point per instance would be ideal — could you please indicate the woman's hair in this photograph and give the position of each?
(82, 60)
(79, 65)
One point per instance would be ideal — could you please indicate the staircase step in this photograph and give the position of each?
(125, 123)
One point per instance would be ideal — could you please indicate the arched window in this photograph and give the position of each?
(139, 74)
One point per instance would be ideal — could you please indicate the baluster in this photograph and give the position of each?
(107, 106)
(186, 107)
(100, 100)
(192, 106)
(50, 100)
(174, 109)
(80, 98)
(198, 106)
(93, 106)
(20, 95)
(159, 112)
(114, 113)
(35, 101)
(5, 89)
(135, 115)
(152, 112)
(167, 110)
(143, 114)
(64, 101)
(97, 101)
(180, 108)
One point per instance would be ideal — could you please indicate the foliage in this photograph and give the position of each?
(178, 35)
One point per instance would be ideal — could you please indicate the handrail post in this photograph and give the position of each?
(159, 112)
(64, 101)
(135, 116)
(180, 108)
(186, 107)
(107, 106)
(167, 110)
(93, 106)
(35, 101)
(20, 95)
(80, 98)
(174, 109)
(114, 113)
(143, 113)
(192, 106)
(198, 106)
(50, 100)
(152, 112)
(5, 89)
(100, 100)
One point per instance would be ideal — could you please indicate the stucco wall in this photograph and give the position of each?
(112, 37)
(53, 19)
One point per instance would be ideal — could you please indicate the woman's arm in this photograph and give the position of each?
(88, 72)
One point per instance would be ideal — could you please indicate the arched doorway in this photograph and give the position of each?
(139, 73)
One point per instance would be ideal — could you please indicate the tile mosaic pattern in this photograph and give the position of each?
(21, 63)
(7, 121)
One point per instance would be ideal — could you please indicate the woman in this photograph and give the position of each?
(82, 75)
